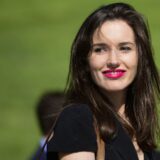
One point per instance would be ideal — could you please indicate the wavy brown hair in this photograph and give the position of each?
(143, 91)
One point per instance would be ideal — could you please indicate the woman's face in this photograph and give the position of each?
(113, 59)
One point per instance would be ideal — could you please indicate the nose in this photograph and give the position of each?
(113, 60)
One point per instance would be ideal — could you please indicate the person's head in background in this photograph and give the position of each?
(93, 86)
(48, 107)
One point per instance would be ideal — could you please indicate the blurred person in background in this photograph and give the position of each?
(112, 91)
(48, 107)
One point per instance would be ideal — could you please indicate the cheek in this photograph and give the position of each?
(94, 67)
(134, 63)
(96, 63)
(131, 61)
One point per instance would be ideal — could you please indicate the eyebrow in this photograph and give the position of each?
(120, 44)
(127, 43)
(99, 44)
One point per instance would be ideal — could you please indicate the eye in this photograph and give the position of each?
(99, 49)
(125, 48)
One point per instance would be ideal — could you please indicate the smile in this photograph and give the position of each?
(114, 74)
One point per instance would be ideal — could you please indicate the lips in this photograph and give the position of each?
(114, 74)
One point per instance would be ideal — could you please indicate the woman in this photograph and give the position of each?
(113, 83)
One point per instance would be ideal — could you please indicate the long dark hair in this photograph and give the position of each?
(142, 93)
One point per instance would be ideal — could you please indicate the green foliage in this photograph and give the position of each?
(35, 40)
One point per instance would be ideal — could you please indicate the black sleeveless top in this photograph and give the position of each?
(74, 132)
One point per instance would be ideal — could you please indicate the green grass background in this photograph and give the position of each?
(35, 40)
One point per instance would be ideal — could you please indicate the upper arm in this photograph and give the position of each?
(77, 156)
(74, 134)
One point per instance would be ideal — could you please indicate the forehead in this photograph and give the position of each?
(114, 31)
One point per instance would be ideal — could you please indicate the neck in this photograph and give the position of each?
(118, 100)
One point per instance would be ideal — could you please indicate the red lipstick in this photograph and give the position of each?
(114, 74)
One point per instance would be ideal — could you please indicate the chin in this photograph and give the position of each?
(115, 88)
